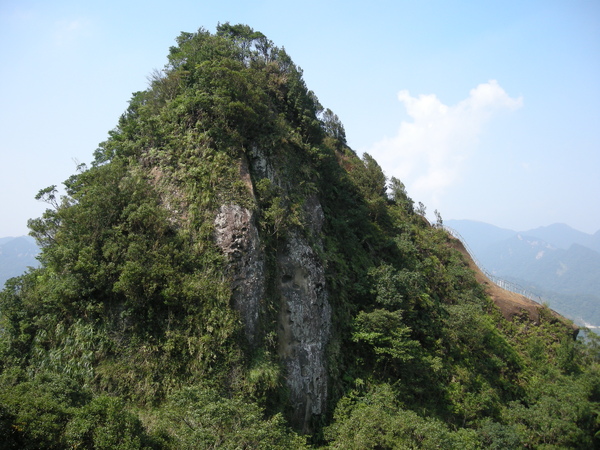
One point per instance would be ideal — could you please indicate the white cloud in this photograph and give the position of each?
(429, 153)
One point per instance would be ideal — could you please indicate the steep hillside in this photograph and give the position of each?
(560, 270)
(511, 304)
(230, 274)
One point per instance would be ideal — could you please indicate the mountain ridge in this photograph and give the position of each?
(563, 236)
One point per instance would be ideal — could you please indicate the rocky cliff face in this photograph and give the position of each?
(237, 236)
(303, 328)
(298, 280)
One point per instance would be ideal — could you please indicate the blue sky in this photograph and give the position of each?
(487, 111)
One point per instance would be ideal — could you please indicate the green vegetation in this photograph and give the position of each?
(126, 337)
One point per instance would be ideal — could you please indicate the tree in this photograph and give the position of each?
(333, 126)
(438, 218)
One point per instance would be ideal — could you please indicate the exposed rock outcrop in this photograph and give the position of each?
(304, 328)
(237, 236)
(297, 282)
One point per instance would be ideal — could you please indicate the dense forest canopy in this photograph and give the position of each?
(138, 331)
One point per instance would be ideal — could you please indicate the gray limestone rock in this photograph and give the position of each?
(237, 236)
(304, 328)
(304, 317)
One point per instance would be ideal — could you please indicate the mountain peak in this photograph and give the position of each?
(560, 235)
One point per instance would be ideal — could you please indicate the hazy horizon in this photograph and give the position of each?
(445, 220)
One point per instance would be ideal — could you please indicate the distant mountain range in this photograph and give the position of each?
(557, 262)
(16, 255)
